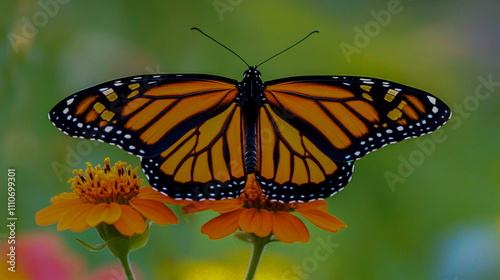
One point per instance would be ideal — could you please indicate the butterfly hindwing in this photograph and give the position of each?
(206, 163)
(290, 168)
(349, 117)
(144, 114)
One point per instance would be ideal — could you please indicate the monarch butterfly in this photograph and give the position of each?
(200, 136)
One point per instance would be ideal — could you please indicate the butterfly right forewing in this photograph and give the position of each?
(349, 117)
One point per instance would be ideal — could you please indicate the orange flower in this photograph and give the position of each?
(110, 195)
(253, 213)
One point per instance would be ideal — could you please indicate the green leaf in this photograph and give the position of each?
(90, 247)
(244, 236)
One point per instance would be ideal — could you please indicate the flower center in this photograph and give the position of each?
(253, 197)
(108, 184)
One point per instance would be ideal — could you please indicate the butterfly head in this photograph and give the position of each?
(251, 72)
(250, 87)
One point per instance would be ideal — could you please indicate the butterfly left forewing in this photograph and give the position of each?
(348, 117)
(143, 115)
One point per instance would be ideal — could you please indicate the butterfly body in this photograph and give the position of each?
(200, 136)
(251, 89)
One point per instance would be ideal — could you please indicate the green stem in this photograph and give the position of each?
(259, 243)
(126, 266)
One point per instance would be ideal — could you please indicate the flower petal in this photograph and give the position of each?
(154, 211)
(130, 221)
(197, 207)
(64, 197)
(223, 225)
(75, 219)
(220, 206)
(148, 190)
(113, 213)
(320, 205)
(289, 228)
(258, 221)
(228, 205)
(96, 214)
(53, 213)
(246, 219)
(104, 212)
(149, 193)
(323, 220)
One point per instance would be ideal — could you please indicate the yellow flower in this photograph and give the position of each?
(253, 213)
(111, 195)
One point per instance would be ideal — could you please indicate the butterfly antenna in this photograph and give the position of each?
(315, 31)
(199, 30)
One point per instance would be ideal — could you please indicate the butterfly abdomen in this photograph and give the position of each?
(250, 147)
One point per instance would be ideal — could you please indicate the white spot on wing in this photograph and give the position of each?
(432, 99)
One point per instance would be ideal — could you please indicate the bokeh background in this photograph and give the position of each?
(421, 209)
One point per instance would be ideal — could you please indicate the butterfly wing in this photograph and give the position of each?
(143, 115)
(185, 128)
(349, 117)
(290, 168)
(206, 163)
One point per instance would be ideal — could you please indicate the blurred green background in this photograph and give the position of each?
(438, 217)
